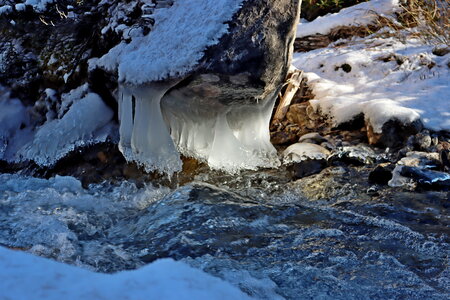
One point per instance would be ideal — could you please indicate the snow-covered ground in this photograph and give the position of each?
(361, 14)
(383, 78)
(25, 276)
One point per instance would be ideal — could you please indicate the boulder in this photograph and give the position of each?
(214, 69)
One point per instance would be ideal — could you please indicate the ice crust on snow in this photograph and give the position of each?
(176, 43)
(81, 119)
(24, 276)
(77, 127)
(361, 14)
(388, 80)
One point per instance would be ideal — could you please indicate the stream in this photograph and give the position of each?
(327, 236)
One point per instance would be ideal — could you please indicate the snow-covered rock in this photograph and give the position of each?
(221, 65)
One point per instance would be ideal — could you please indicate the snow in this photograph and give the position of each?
(39, 5)
(361, 14)
(82, 119)
(77, 127)
(382, 78)
(24, 276)
(12, 115)
(191, 25)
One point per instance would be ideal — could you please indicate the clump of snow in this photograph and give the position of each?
(24, 276)
(176, 43)
(384, 79)
(358, 15)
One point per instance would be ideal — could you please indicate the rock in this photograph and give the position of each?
(394, 133)
(312, 137)
(251, 61)
(305, 159)
(307, 168)
(303, 151)
(427, 179)
(444, 155)
(422, 140)
(282, 137)
(381, 174)
(298, 114)
(420, 159)
(354, 155)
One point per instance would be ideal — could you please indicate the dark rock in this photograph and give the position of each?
(394, 133)
(427, 179)
(307, 168)
(381, 174)
(251, 61)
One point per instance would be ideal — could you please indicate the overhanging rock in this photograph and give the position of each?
(204, 82)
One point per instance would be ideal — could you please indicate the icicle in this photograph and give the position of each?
(145, 138)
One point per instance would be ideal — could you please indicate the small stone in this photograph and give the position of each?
(422, 140)
(394, 133)
(303, 151)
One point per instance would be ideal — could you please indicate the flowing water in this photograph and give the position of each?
(328, 236)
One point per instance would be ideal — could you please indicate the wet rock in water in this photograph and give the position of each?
(420, 159)
(394, 133)
(381, 174)
(354, 155)
(427, 179)
(305, 159)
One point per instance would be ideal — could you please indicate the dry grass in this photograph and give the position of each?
(428, 20)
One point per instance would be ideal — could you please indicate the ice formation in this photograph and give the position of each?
(154, 125)
(87, 121)
(226, 137)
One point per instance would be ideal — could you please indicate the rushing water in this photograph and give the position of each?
(328, 236)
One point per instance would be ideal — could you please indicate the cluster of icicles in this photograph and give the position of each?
(157, 125)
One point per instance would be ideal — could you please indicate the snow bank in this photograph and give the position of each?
(382, 78)
(175, 44)
(362, 14)
(23, 276)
